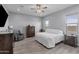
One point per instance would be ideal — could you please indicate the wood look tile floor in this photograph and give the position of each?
(30, 46)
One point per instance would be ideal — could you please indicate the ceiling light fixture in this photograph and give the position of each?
(20, 7)
(39, 8)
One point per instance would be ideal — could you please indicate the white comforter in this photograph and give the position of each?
(48, 39)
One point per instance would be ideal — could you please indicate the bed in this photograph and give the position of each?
(50, 37)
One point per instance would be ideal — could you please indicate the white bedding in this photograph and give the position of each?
(49, 39)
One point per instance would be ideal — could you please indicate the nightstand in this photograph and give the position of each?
(42, 30)
(71, 40)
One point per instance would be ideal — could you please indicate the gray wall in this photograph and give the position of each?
(57, 19)
(19, 22)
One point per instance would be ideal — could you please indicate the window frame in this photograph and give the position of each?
(72, 23)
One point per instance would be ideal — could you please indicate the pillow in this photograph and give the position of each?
(54, 31)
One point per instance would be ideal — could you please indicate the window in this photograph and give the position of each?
(72, 19)
(71, 24)
(47, 23)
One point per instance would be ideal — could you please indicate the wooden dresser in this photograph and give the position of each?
(30, 31)
(71, 40)
(6, 43)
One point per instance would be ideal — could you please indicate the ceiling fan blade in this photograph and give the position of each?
(43, 11)
(44, 7)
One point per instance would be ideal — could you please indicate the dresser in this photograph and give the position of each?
(30, 31)
(6, 43)
(71, 40)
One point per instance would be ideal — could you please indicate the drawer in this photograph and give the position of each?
(71, 40)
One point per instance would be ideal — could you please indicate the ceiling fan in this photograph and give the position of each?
(39, 8)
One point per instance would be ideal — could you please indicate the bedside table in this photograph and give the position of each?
(71, 40)
(42, 30)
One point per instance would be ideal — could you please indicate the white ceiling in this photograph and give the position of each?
(26, 8)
